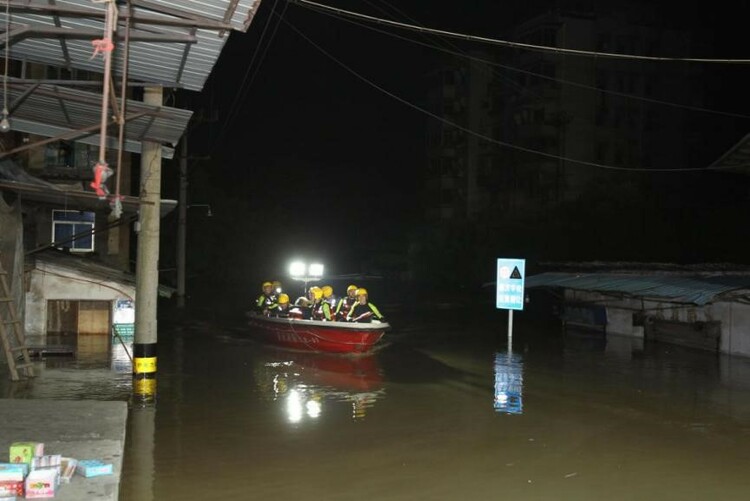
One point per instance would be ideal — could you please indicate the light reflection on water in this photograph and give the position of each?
(509, 383)
(310, 383)
(430, 417)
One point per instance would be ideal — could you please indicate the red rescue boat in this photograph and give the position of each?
(318, 336)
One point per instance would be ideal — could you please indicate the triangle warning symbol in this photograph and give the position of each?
(516, 273)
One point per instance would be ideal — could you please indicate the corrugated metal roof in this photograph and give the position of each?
(52, 110)
(173, 43)
(697, 290)
(14, 178)
(736, 159)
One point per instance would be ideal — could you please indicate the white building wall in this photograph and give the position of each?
(734, 317)
(50, 282)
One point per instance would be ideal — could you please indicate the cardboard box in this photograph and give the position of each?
(93, 468)
(22, 467)
(9, 474)
(41, 484)
(51, 461)
(9, 488)
(24, 452)
(68, 469)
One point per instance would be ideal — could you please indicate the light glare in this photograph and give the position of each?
(297, 269)
(316, 270)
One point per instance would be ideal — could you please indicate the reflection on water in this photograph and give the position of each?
(509, 383)
(99, 369)
(572, 418)
(307, 383)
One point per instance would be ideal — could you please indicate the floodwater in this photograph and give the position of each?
(442, 412)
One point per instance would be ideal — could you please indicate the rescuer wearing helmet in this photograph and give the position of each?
(346, 303)
(267, 302)
(321, 309)
(329, 297)
(363, 311)
(283, 309)
(276, 287)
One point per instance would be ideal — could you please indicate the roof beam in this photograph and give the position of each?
(70, 135)
(37, 7)
(63, 43)
(180, 14)
(84, 34)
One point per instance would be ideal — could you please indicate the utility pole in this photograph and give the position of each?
(147, 264)
(182, 223)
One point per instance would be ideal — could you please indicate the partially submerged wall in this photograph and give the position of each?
(627, 317)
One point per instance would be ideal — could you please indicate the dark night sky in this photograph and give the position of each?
(318, 164)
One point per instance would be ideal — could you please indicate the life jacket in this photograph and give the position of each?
(319, 311)
(344, 306)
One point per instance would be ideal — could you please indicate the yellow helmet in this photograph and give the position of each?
(351, 288)
(267, 284)
(276, 284)
(327, 291)
(283, 298)
(317, 292)
(361, 292)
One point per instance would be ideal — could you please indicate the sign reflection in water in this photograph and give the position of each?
(508, 383)
(305, 383)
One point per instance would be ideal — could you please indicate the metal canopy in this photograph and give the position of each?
(172, 43)
(52, 111)
(697, 290)
(736, 159)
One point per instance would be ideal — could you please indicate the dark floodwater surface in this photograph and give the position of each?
(441, 412)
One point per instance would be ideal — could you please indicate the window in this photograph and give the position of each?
(69, 223)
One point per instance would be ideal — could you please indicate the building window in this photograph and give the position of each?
(73, 230)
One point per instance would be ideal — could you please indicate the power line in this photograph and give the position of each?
(507, 43)
(243, 89)
(477, 134)
(542, 76)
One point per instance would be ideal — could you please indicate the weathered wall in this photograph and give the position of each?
(734, 317)
(48, 281)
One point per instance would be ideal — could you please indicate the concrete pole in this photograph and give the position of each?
(147, 264)
(182, 224)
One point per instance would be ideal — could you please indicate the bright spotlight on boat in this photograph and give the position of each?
(313, 408)
(316, 270)
(297, 269)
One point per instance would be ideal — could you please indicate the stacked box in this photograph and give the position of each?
(93, 468)
(11, 488)
(41, 484)
(51, 462)
(22, 467)
(24, 452)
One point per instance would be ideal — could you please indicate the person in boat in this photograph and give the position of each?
(277, 287)
(267, 302)
(283, 310)
(304, 305)
(321, 309)
(363, 310)
(329, 296)
(345, 303)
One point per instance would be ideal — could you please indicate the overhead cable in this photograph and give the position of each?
(571, 83)
(478, 134)
(507, 43)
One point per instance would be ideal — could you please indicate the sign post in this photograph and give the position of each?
(510, 289)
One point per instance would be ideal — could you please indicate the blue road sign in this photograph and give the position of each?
(511, 275)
